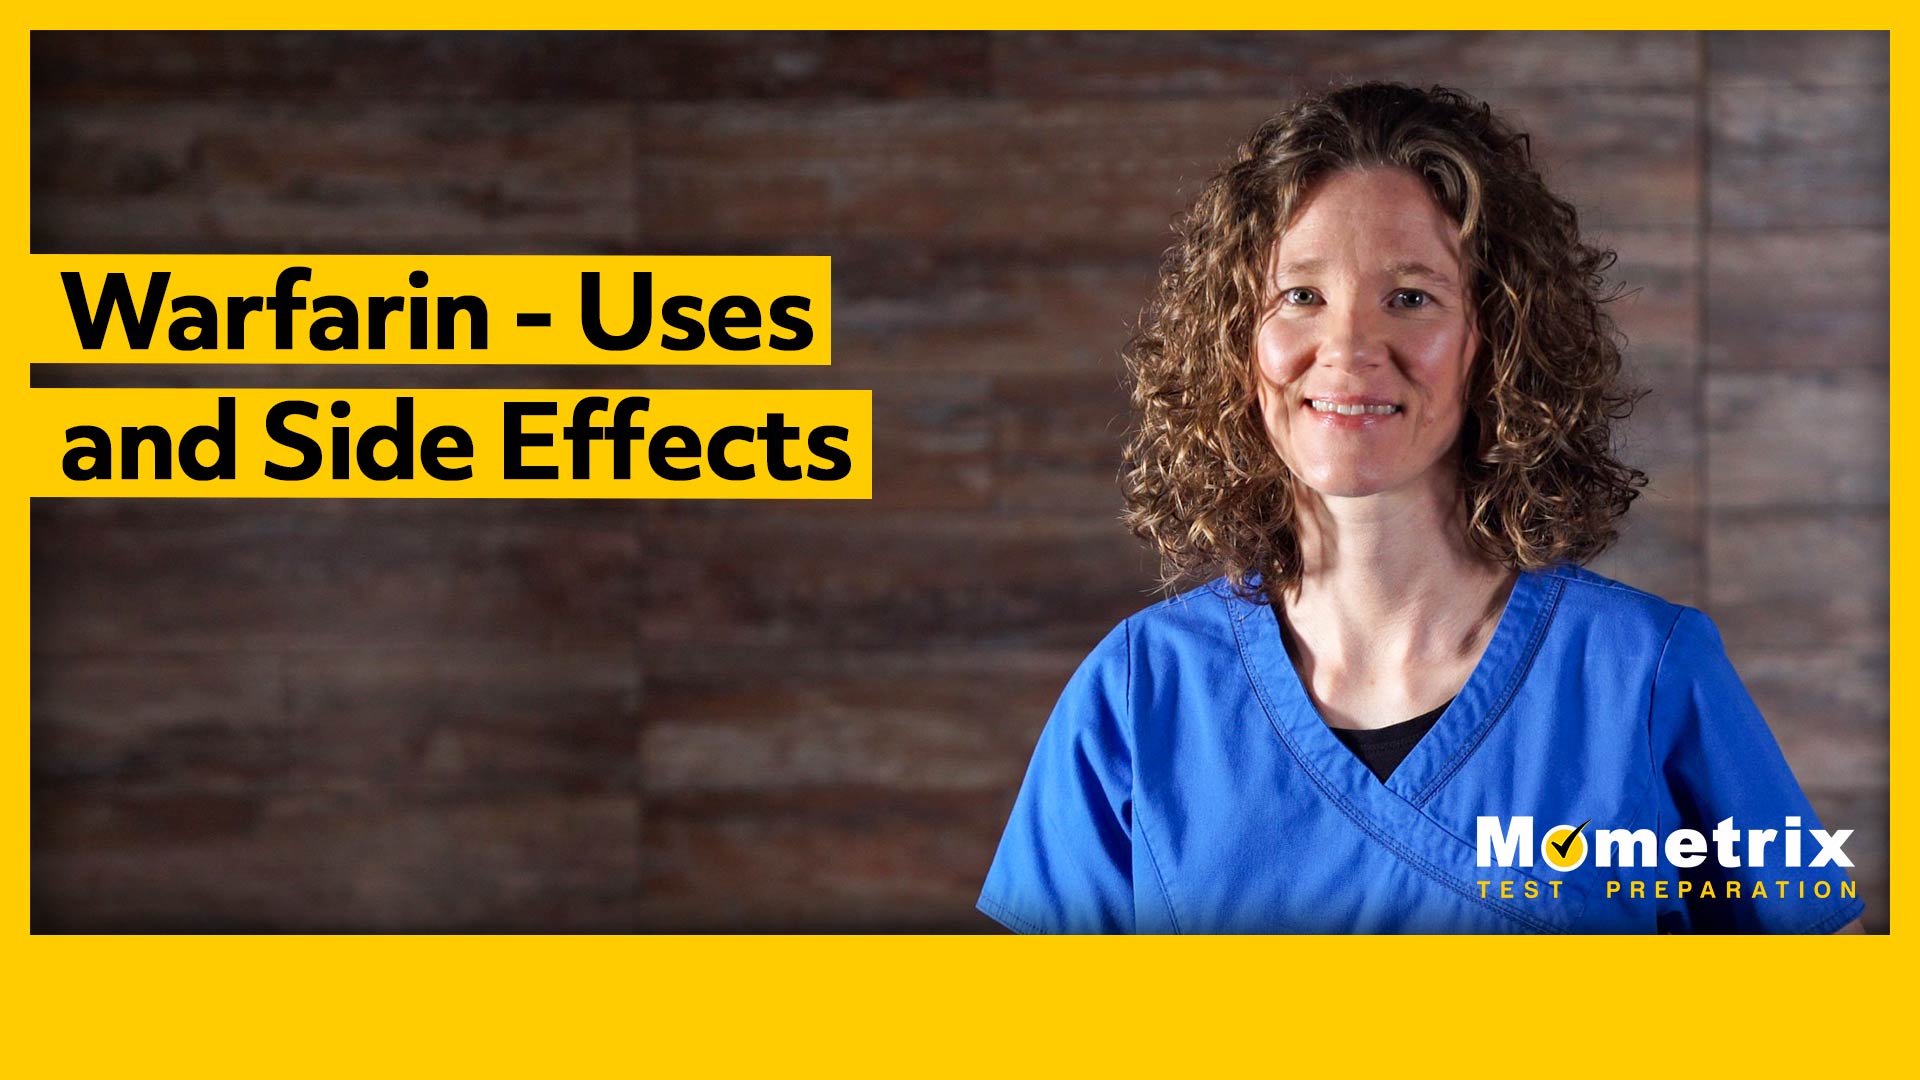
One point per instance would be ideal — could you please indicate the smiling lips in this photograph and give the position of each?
(1361, 410)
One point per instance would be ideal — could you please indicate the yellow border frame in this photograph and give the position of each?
(141, 1005)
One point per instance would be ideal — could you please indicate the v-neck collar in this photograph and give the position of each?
(1452, 739)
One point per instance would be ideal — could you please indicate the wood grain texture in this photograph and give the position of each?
(1798, 438)
(397, 174)
(516, 66)
(823, 860)
(820, 718)
(403, 725)
(1797, 58)
(271, 575)
(1828, 709)
(1022, 175)
(1278, 65)
(864, 577)
(1798, 157)
(1799, 578)
(302, 863)
(108, 723)
(1798, 298)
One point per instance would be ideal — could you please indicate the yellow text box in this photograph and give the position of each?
(618, 444)
(468, 309)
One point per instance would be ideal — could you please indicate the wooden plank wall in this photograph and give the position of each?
(319, 715)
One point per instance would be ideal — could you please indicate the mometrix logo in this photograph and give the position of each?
(1566, 847)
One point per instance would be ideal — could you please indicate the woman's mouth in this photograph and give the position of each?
(1327, 406)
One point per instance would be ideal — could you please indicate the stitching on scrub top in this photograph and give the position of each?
(1133, 781)
(1653, 695)
(1000, 911)
(1353, 814)
(1520, 670)
(1154, 861)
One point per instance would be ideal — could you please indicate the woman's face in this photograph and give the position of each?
(1364, 350)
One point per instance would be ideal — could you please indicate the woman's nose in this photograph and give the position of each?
(1352, 339)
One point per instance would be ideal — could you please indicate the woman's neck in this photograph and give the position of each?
(1394, 605)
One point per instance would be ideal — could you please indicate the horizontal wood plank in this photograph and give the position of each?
(277, 575)
(399, 174)
(1798, 157)
(1799, 578)
(807, 719)
(853, 858)
(1797, 57)
(1798, 298)
(1279, 64)
(309, 865)
(523, 65)
(1798, 438)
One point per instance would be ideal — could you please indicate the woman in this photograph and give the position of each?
(1375, 391)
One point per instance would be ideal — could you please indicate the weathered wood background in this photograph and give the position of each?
(319, 715)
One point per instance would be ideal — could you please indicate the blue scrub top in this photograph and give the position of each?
(1185, 783)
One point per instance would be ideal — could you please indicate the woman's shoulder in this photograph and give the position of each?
(1624, 614)
(1208, 609)
(1584, 590)
(1200, 618)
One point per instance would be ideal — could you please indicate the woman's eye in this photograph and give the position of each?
(1299, 294)
(1412, 298)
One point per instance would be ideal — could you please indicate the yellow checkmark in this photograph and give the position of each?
(1565, 846)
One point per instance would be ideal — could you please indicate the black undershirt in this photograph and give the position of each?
(1381, 750)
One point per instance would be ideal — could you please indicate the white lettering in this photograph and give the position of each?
(1830, 847)
(1491, 844)
(1725, 836)
(1635, 848)
(1686, 848)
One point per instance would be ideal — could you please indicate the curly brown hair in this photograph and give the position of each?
(1203, 483)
